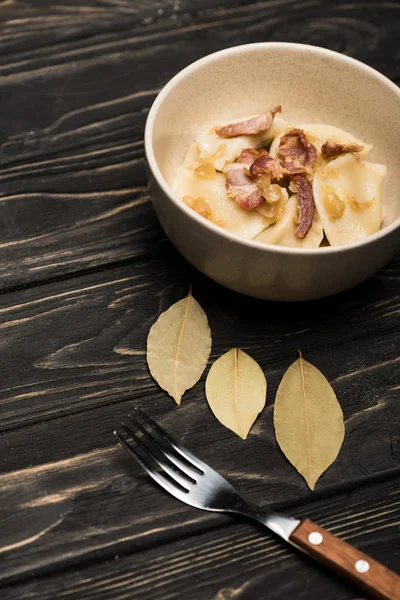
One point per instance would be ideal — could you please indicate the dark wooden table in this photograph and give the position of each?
(85, 269)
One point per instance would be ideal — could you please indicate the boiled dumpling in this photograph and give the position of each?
(283, 233)
(346, 189)
(347, 194)
(204, 190)
(210, 147)
(318, 134)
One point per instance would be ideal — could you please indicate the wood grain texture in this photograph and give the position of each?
(68, 494)
(71, 148)
(234, 561)
(85, 269)
(87, 367)
(89, 337)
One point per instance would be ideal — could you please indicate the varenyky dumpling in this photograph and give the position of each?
(204, 190)
(348, 197)
(211, 148)
(283, 233)
(319, 133)
(240, 175)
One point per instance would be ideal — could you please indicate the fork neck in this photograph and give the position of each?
(281, 524)
(246, 509)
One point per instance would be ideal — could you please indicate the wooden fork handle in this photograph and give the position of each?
(358, 568)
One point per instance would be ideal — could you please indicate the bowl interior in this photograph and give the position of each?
(312, 85)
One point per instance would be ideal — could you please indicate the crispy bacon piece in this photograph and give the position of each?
(265, 171)
(249, 155)
(240, 186)
(267, 167)
(298, 154)
(250, 126)
(332, 149)
(306, 204)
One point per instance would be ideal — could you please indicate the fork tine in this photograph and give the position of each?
(182, 482)
(158, 446)
(143, 460)
(183, 452)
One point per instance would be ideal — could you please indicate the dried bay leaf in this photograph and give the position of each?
(236, 391)
(178, 347)
(308, 420)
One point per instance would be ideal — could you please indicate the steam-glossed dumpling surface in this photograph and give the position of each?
(283, 233)
(219, 151)
(209, 198)
(318, 134)
(348, 197)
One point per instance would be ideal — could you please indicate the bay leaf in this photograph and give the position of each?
(236, 390)
(178, 347)
(308, 420)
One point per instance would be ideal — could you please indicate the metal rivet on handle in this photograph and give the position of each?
(315, 538)
(362, 566)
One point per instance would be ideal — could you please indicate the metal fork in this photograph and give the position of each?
(194, 482)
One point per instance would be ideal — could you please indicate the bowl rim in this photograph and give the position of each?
(233, 237)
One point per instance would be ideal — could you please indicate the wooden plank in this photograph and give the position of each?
(77, 82)
(79, 339)
(68, 494)
(238, 560)
(80, 207)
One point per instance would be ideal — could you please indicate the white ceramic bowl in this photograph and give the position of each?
(313, 85)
